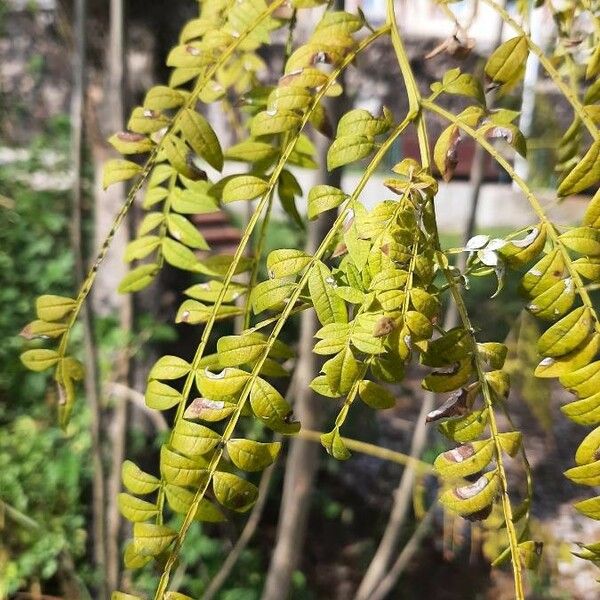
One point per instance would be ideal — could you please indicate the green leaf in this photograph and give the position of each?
(136, 510)
(244, 187)
(126, 142)
(218, 386)
(270, 294)
(588, 474)
(160, 396)
(330, 308)
(141, 247)
(465, 460)
(193, 439)
(180, 470)
(322, 198)
(506, 65)
(169, 367)
(198, 133)
(39, 328)
(117, 170)
(53, 308)
(472, 499)
(466, 428)
(136, 480)
(375, 395)
(162, 97)
(555, 301)
(567, 334)
(588, 449)
(585, 174)
(286, 262)
(341, 371)
(176, 596)
(233, 492)
(576, 359)
(150, 222)
(249, 455)
(123, 596)
(234, 350)
(334, 444)
(184, 231)
(193, 202)
(251, 151)
(179, 256)
(590, 507)
(139, 278)
(348, 149)
(180, 500)
(39, 359)
(270, 122)
(585, 240)
(194, 312)
(150, 539)
(361, 122)
(269, 406)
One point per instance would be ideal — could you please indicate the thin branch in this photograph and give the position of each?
(386, 585)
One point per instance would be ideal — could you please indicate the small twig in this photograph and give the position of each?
(137, 399)
(412, 546)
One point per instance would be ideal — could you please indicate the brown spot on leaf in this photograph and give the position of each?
(384, 326)
(455, 406)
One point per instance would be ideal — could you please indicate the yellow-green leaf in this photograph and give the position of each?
(135, 509)
(506, 65)
(566, 334)
(244, 187)
(233, 492)
(180, 500)
(588, 474)
(193, 439)
(348, 149)
(585, 240)
(198, 133)
(270, 407)
(117, 170)
(169, 367)
(40, 359)
(53, 308)
(473, 499)
(160, 396)
(139, 278)
(249, 455)
(585, 174)
(150, 539)
(322, 198)
(136, 480)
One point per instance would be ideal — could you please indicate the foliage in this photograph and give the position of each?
(376, 282)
